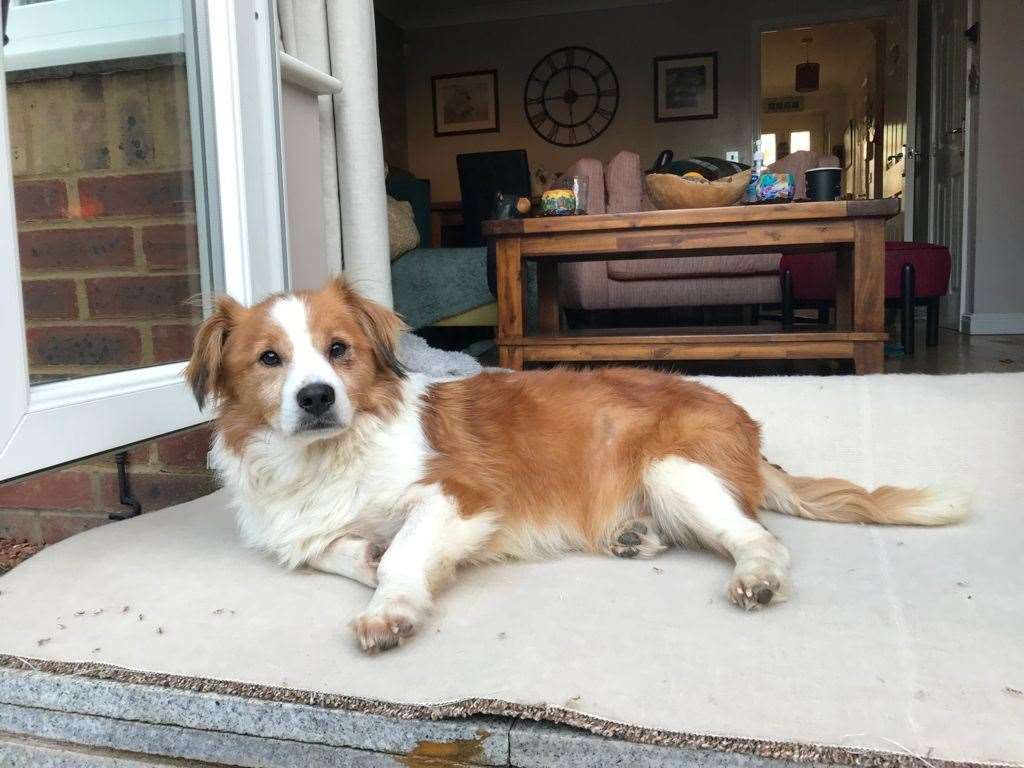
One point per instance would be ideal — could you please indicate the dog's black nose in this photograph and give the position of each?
(316, 399)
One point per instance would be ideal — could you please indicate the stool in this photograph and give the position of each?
(915, 274)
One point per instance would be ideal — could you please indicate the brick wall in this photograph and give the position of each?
(109, 253)
(55, 505)
(105, 202)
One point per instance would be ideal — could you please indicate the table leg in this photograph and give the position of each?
(511, 325)
(844, 288)
(868, 295)
(868, 357)
(510, 357)
(547, 296)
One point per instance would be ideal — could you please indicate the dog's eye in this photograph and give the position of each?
(270, 358)
(337, 349)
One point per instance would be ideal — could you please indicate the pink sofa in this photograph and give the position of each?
(682, 281)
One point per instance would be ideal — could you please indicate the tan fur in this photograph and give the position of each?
(557, 458)
(620, 461)
(564, 451)
(225, 357)
(841, 501)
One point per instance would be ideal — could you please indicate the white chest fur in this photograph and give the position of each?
(293, 500)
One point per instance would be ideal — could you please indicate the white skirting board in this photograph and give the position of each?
(895, 643)
(987, 324)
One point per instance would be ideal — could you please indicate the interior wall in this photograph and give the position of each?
(629, 38)
(391, 91)
(999, 254)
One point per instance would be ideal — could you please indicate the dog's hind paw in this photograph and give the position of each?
(382, 628)
(636, 538)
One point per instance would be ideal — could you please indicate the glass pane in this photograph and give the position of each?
(799, 141)
(768, 147)
(108, 183)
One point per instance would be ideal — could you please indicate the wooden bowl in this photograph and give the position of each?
(668, 191)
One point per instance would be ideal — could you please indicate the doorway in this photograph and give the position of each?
(821, 91)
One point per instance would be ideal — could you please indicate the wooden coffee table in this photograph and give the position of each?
(855, 229)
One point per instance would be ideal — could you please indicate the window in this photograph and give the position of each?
(143, 168)
(799, 140)
(768, 147)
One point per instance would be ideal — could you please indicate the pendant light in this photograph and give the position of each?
(808, 74)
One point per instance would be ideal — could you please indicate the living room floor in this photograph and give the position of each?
(956, 353)
(960, 353)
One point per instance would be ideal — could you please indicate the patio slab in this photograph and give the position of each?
(162, 633)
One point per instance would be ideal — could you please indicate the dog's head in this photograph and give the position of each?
(303, 364)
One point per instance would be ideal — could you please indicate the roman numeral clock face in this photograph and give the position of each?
(571, 96)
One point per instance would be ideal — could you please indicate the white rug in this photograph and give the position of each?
(906, 641)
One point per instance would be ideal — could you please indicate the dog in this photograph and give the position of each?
(339, 459)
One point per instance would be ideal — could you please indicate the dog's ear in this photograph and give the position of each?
(204, 370)
(382, 326)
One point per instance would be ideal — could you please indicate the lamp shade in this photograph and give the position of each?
(808, 75)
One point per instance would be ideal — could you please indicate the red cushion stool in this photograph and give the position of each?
(915, 273)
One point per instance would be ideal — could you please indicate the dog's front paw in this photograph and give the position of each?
(383, 627)
(752, 588)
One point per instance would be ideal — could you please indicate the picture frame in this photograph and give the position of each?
(686, 87)
(465, 102)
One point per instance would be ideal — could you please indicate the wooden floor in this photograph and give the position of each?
(956, 353)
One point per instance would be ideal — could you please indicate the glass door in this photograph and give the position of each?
(140, 177)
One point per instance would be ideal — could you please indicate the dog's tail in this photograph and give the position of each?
(841, 501)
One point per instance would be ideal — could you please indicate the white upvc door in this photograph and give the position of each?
(230, 51)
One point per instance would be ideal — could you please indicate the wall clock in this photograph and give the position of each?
(571, 96)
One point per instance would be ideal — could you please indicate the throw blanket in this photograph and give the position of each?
(431, 284)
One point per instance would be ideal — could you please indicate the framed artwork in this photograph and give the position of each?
(686, 87)
(465, 102)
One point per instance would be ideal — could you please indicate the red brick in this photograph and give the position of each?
(84, 345)
(185, 450)
(172, 343)
(76, 248)
(68, 489)
(171, 246)
(156, 490)
(40, 200)
(49, 299)
(20, 525)
(139, 194)
(54, 526)
(141, 296)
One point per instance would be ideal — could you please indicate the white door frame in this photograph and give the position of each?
(51, 424)
(970, 179)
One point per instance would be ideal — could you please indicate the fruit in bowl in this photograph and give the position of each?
(669, 191)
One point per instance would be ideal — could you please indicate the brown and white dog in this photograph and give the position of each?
(340, 460)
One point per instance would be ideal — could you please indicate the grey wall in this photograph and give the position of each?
(999, 253)
(391, 91)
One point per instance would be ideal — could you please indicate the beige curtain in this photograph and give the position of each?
(338, 37)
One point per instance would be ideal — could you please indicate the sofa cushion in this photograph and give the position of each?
(689, 267)
(698, 292)
(798, 163)
(402, 185)
(624, 183)
(402, 233)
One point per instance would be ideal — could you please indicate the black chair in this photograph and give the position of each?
(481, 176)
